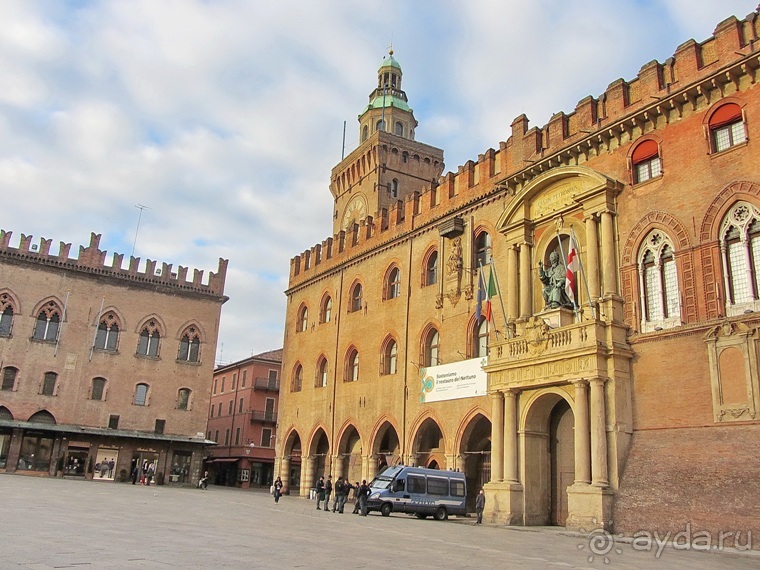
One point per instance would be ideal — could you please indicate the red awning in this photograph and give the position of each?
(728, 113)
(646, 150)
(224, 460)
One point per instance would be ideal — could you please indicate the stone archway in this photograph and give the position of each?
(548, 465)
(475, 456)
(349, 458)
(386, 447)
(428, 446)
(290, 467)
(318, 463)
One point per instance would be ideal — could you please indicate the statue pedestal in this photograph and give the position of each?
(589, 508)
(504, 503)
(557, 318)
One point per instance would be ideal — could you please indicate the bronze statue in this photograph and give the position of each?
(553, 279)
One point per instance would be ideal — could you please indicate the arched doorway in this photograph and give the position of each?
(475, 456)
(290, 470)
(549, 459)
(386, 448)
(349, 455)
(429, 447)
(319, 452)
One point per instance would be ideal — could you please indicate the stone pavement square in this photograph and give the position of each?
(59, 523)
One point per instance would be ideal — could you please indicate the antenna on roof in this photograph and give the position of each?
(141, 208)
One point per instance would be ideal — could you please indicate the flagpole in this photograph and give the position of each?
(583, 271)
(501, 298)
(60, 328)
(564, 262)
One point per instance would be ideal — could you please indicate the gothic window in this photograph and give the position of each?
(356, 298)
(430, 348)
(9, 378)
(6, 315)
(727, 127)
(48, 323)
(141, 395)
(150, 338)
(352, 365)
(431, 269)
(479, 338)
(321, 379)
(393, 283)
(190, 346)
(658, 281)
(365, 133)
(302, 322)
(394, 188)
(183, 399)
(482, 249)
(740, 249)
(325, 310)
(297, 382)
(98, 391)
(390, 357)
(49, 384)
(107, 337)
(646, 161)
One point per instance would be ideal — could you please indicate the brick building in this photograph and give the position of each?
(104, 368)
(242, 418)
(636, 404)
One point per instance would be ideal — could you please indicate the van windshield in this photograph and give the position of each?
(381, 483)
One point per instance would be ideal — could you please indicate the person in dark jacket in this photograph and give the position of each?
(363, 496)
(347, 486)
(328, 492)
(320, 492)
(356, 488)
(338, 494)
(277, 489)
(480, 504)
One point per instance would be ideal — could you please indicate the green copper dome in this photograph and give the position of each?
(390, 101)
(390, 61)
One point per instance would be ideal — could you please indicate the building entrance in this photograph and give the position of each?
(562, 460)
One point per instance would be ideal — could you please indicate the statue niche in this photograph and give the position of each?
(553, 278)
(454, 267)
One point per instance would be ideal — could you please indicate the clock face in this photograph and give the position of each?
(354, 212)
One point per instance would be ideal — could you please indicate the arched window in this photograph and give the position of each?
(399, 129)
(6, 315)
(9, 378)
(98, 389)
(393, 284)
(479, 338)
(430, 348)
(141, 395)
(646, 161)
(740, 249)
(394, 188)
(325, 310)
(183, 399)
(727, 127)
(48, 323)
(380, 126)
(431, 269)
(482, 249)
(320, 381)
(658, 281)
(365, 133)
(352, 365)
(190, 346)
(390, 357)
(107, 337)
(302, 324)
(297, 382)
(150, 338)
(49, 384)
(356, 298)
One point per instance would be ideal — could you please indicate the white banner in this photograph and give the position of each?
(464, 379)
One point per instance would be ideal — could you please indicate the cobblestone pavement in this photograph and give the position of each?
(58, 523)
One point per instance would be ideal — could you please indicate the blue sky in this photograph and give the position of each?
(225, 117)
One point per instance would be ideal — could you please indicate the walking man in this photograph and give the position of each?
(363, 496)
(321, 492)
(480, 504)
(337, 506)
(328, 492)
(357, 488)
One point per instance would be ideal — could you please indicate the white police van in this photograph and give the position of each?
(418, 491)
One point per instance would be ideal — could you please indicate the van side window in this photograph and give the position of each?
(437, 486)
(398, 485)
(416, 484)
(457, 488)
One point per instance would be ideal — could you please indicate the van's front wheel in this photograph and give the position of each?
(441, 514)
(386, 509)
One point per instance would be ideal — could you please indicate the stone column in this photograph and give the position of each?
(513, 298)
(460, 463)
(365, 467)
(308, 464)
(608, 254)
(598, 434)
(284, 473)
(525, 282)
(337, 463)
(510, 436)
(497, 437)
(371, 467)
(592, 257)
(582, 435)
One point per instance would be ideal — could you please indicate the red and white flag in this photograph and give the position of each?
(572, 267)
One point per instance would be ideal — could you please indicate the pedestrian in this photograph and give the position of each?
(149, 475)
(480, 504)
(203, 483)
(320, 491)
(338, 494)
(277, 489)
(357, 488)
(111, 465)
(135, 473)
(363, 496)
(328, 492)
(347, 486)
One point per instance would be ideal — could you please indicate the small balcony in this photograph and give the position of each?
(266, 384)
(263, 416)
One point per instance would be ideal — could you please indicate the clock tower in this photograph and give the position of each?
(388, 165)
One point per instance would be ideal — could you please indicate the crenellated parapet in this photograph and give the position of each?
(695, 77)
(92, 260)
